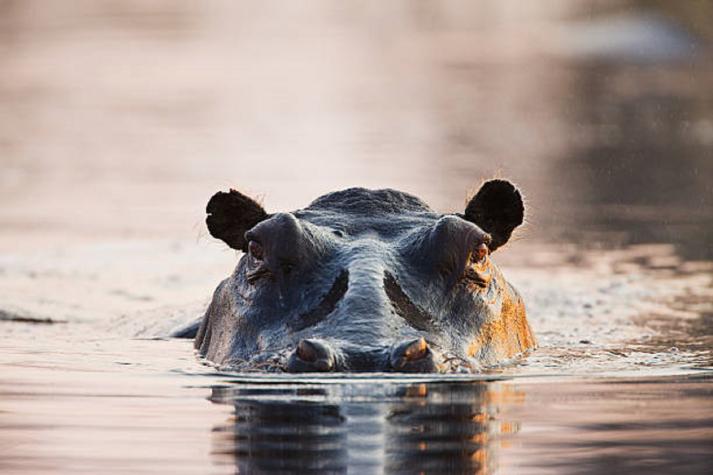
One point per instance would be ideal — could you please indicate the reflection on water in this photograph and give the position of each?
(367, 428)
(618, 426)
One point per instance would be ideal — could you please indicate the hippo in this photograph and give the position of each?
(365, 280)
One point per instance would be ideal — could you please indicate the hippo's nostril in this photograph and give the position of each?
(307, 351)
(311, 355)
(414, 355)
(416, 349)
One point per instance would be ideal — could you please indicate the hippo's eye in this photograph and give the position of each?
(255, 250)
(480, 253)
(478, 272)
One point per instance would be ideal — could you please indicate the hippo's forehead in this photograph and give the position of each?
(357, 211)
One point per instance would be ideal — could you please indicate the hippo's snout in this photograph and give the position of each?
(411, 356)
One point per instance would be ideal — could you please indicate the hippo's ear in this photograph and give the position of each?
(497, 209)
(230, 215)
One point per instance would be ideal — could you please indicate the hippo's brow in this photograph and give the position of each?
(404, 307)
(326, 305)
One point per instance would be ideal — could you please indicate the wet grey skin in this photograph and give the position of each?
(365, 280)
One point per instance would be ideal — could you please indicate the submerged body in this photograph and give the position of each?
(365, 280)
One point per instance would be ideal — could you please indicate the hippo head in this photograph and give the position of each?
(365, 280)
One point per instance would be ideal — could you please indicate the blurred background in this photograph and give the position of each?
(119, 119)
